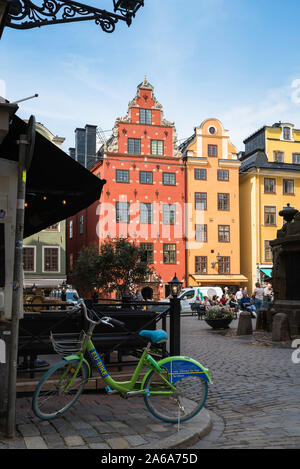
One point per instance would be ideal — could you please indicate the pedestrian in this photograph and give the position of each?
(247, 305)
(239, 296)
(138, 296)
(268, 296)
(258, 296)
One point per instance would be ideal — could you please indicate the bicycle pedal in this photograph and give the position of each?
(110, 391)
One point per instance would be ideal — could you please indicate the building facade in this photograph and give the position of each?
(212, 207)
(84, 151)
(44, 253)
(143, 198)
(269, 180)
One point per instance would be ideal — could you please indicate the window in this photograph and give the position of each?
(52, 227)
(122, 212)
(201, 265)
(157, 147)
(201, 201)
(212, 150)
(146, 177)
(169, 254)
(169, 214)
(288, 186)
(224, 233)
(134, 146)
(224, 265)
(278, 156)
(268, 251)
(51, 259)
(270, 185)
(201, 233)
(286, 133)
(189, 295)
(81, 224)
(145, 116)
(223, 202)
(122, 175)
(169, 179)
(223, 175)
(296, 158)
(70, 229)
(148, 252)
(270, 216)
(28, 259)
(200, 174)
(146, 213)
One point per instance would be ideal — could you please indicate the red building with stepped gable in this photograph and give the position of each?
(144, 195)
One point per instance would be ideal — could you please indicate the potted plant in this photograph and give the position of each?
(218, 317)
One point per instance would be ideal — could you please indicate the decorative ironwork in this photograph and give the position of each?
(24, 14)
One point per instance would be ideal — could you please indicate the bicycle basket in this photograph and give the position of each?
(67, 344)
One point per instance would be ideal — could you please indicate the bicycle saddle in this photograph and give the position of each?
(156, 337)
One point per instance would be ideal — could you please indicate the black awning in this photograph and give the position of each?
(57, 187)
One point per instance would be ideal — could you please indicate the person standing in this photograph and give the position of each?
(239, 296)
(268, 296)
(258, 296)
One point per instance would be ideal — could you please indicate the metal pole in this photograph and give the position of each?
(175, 326)
(17, 289)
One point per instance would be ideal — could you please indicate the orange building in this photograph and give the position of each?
(143, 198)
(212, 220)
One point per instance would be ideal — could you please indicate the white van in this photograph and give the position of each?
(189, 294)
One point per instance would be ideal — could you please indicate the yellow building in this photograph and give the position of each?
(269, 180)
(212, 226)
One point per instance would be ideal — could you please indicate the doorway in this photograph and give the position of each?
(147, 293)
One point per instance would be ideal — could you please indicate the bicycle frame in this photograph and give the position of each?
(122, 387)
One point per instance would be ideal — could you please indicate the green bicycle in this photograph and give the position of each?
(174, 389)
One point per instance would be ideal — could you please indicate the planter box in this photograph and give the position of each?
(219, 323)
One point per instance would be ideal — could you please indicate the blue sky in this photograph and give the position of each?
(236, 60)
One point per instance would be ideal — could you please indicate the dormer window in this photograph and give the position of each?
(286, 133)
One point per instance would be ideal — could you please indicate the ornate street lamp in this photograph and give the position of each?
(24, 14)
(175, 287)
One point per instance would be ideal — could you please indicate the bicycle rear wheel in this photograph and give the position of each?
(171, 406)
(56, 392)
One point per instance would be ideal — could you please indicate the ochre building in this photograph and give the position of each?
(212, 225)
(269, 181)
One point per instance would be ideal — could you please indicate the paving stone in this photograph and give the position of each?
(135, 440)
(35, 442)
(29, 430)
(99, 446)
(118, 443)
(74, 441)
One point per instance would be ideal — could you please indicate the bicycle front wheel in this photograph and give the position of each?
(171, 406)
(59, 389)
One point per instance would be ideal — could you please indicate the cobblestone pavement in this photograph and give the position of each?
(253, 401)
(255, 396)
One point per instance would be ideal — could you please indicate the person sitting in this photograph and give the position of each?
(223, 300)
(233, 304)
(247, 305)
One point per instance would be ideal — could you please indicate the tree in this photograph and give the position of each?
(86, 269)
(118, 266)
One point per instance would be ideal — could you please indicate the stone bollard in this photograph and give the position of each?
(245, 324)
(280, 328)
(261, 320)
